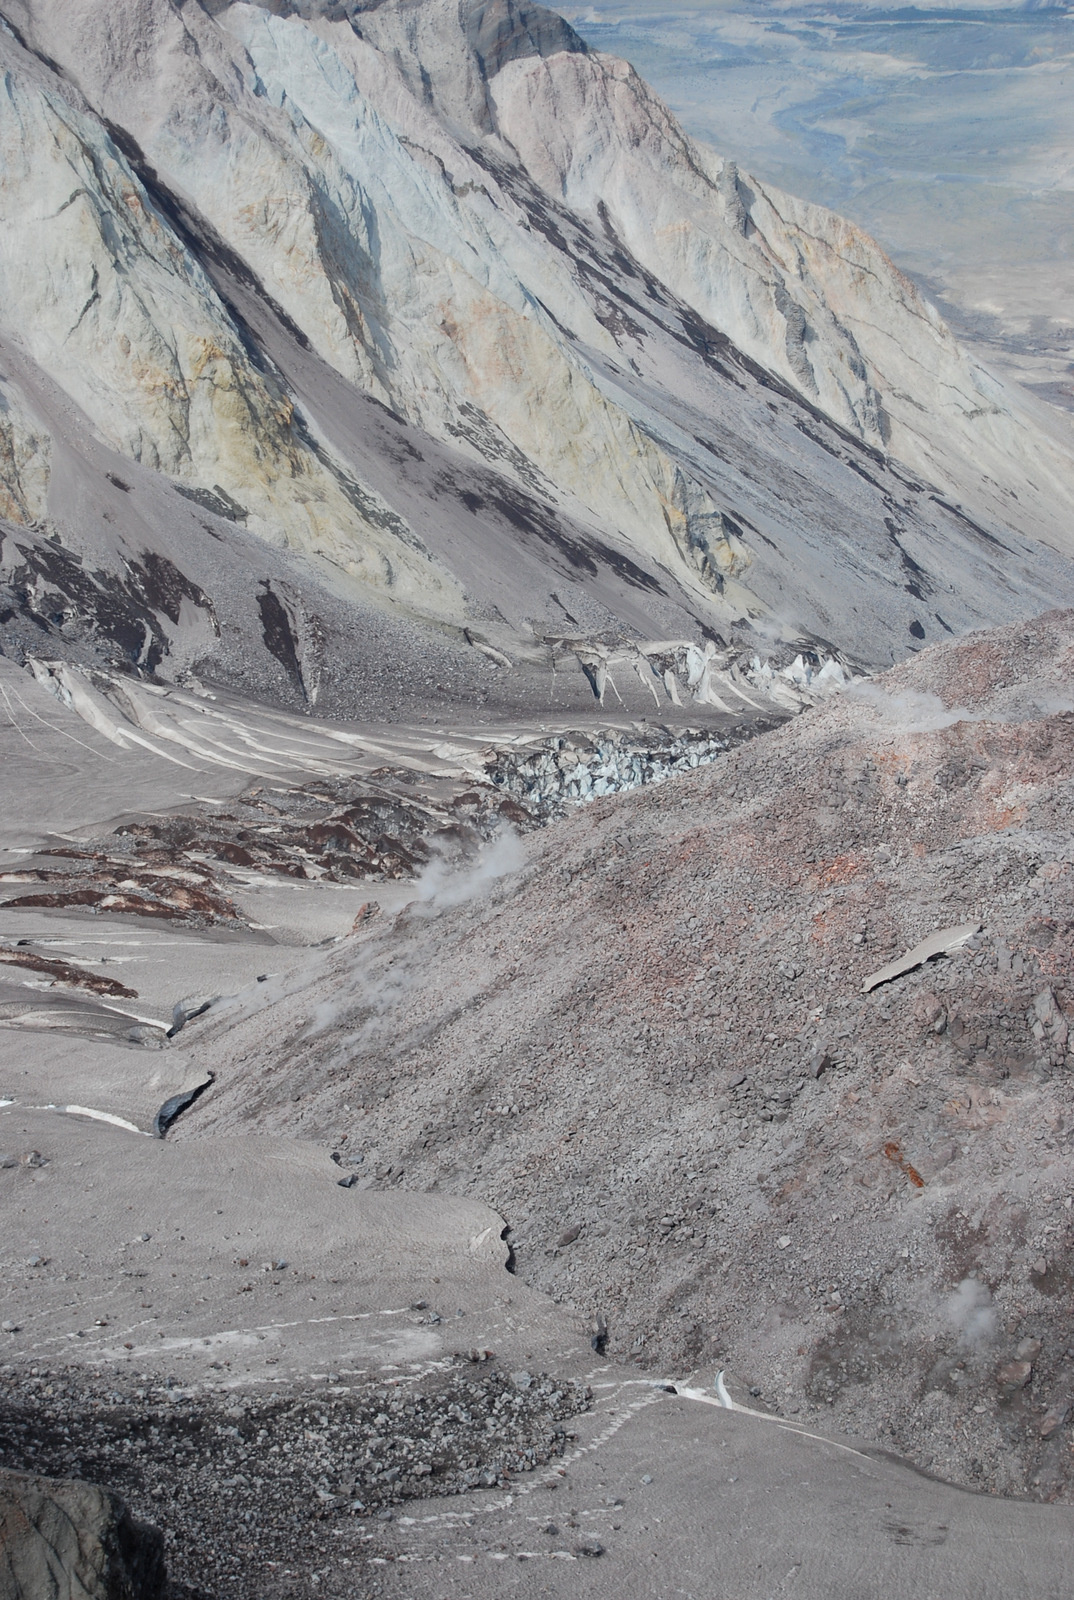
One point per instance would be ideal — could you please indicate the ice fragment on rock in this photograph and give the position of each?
(186, 1010)
(940, 943)
(176, 1104)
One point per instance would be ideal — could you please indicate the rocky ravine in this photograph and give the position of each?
(651, 1052)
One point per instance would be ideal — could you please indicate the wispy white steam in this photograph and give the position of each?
(911, 711)
(915, 712)
(971, 1313)
(368, 995)
(446, 883)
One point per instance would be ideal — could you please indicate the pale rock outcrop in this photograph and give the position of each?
(798, 288)
(98, 289)
(25, 452)
(395, 252)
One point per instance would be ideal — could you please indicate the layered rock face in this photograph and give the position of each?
(437, 299)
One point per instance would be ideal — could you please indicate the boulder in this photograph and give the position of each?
(61, 1539)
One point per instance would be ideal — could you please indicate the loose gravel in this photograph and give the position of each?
(257, 1491)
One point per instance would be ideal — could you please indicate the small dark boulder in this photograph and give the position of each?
(61, 1539)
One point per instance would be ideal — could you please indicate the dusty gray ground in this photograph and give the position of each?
(605, 1110)
(285, 1419)
(692, 1501)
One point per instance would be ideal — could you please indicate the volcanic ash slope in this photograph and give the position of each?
(650, 1050)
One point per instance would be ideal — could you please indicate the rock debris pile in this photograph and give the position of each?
(244, 1484)
(652, 1053)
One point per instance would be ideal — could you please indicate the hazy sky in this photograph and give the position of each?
(946, 130)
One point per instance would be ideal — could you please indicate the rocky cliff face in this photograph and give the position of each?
(447, 305)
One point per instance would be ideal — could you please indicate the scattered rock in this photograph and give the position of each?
(1046, 1021)
(1014, 1375)
(587, 1547)
(1054, 1418)
(930, 1012)
(568, 1236)
(820, 1060)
